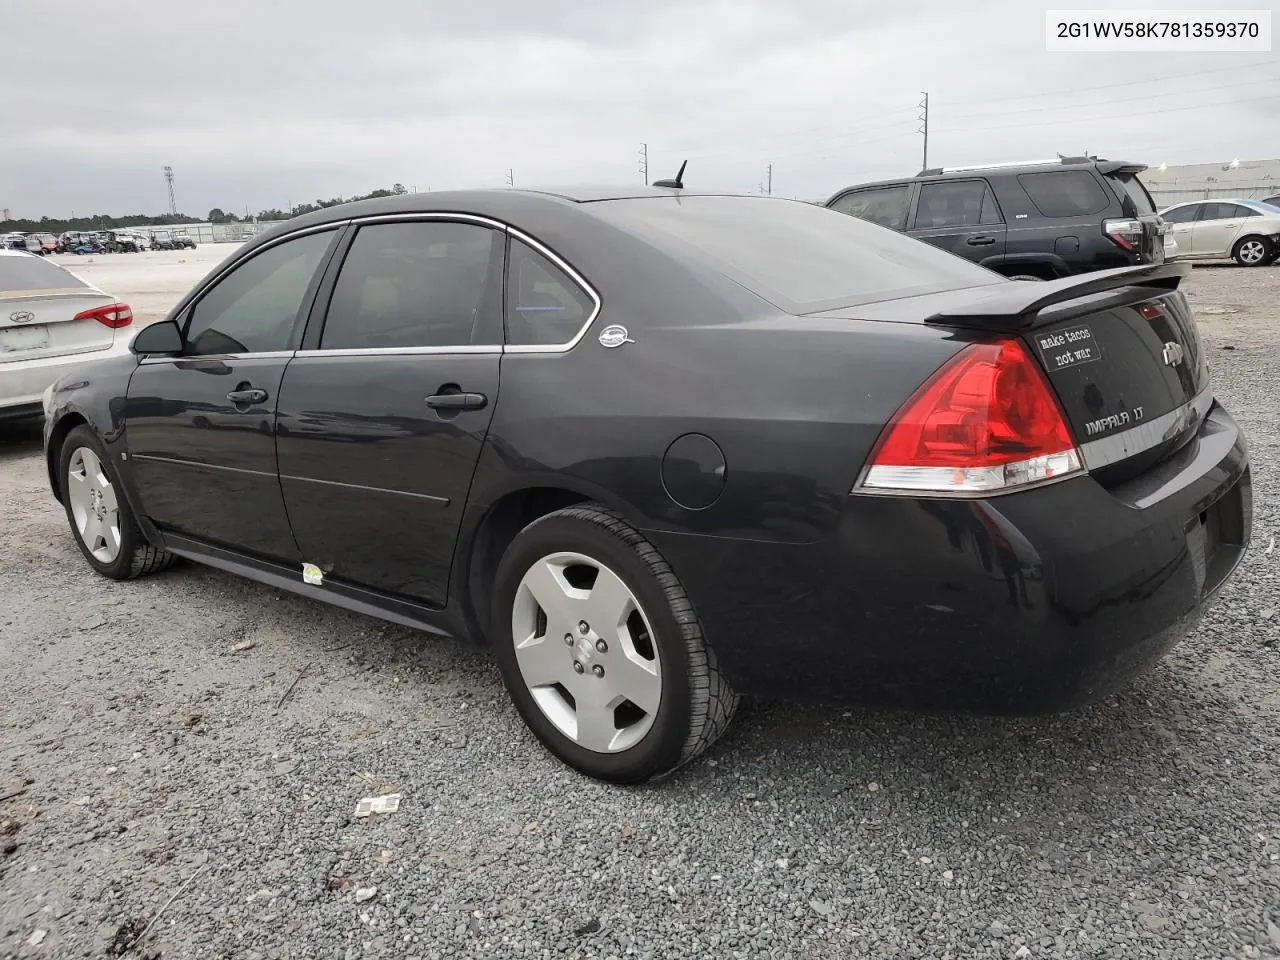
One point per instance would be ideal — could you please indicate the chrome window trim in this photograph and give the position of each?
(216, 357)
(573, 275)
(375, 218)
(1108, 450)
(478, 350)
(273, 242)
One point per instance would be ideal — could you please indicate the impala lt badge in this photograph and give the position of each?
(1173, 354)
(22, 316)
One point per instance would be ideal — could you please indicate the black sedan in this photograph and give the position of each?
(658, 449)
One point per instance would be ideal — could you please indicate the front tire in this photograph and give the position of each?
(1253, 252)
(101, 521)
(601, 649)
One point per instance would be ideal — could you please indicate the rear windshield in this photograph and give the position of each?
(1134, 189)
(34, 273)
(801, 257)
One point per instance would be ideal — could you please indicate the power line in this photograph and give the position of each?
(1114, 116)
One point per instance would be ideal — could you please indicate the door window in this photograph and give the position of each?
(1064, 193)
(955, 203)
(255, 308)
(424, 283)
(545, 307)
(1222, 211)
(886, 206)
(1182, 214)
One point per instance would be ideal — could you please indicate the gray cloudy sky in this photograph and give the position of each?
(261, 103)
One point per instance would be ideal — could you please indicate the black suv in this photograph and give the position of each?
(1030, 220)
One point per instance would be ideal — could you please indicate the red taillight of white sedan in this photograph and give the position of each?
(985, 422)
(113, 315)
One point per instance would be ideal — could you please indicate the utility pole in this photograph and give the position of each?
(644, 162)
(924, 128)
(769, 182)
(511, 177)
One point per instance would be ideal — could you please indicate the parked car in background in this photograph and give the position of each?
(122, 241)
(1034, 221)
(161, 240)
(1248, 231)
(182, 241)
(1273, 201)
(51, 322)
(48, 242)
(15, 241)
(801, 456)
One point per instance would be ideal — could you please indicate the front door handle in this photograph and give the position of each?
(980, 241)
(249, 395)
(457, 401)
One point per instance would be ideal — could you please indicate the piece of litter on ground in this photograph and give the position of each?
(364, 894)
(1271, 546)
(242, 646)
(371, 805)
(873, 787)
(37, 938)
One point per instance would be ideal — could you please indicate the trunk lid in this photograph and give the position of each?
(1119, 347)
(38, 304)
(1139, 206)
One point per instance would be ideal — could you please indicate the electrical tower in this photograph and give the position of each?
(768, 188)
(511, 177)
(173, 204)
(644, 162)
(924, 128)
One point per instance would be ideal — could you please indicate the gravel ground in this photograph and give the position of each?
(169, 769)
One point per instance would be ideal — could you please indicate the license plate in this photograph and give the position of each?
(18, 339)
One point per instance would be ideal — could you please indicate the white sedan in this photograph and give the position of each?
(1246, 230)
(51, 322)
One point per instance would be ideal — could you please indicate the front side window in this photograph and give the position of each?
(885, 206)
(255, 308)
(1182, 214)
(424, 283)
(953, 203)
(1064, 193)
(545, 307)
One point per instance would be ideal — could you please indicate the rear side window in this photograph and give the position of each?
(1065, 193)
(26, 273)
(1182, 214)
(1225, 211)
(415, 284)
(1136, 191)
(956, 203)
(885, 206)
(255, 307)
(798, 256)
(545, 307)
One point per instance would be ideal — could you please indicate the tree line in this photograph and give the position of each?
(102, 221)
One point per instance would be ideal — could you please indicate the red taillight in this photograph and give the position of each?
(1125, 234)
(985, 421)
(113, 315)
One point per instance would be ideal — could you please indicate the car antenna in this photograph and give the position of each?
(677, 183)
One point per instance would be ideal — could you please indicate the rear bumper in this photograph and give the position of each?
(23, 382)
(1027, 603)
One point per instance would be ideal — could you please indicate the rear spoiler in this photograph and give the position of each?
(1015, 305)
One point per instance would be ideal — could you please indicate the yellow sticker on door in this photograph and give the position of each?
(312, 574)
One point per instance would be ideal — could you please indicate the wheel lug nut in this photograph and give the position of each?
(598, 670)
(584, 627)
(568, 639)
(577, 666)
(602, 646)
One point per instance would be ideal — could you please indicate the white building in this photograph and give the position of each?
(1254, 179)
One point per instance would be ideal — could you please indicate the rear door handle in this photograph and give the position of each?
(980, 241)
(457, 401)
(251, 395)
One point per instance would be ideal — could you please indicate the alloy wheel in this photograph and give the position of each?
(94, 506)
(1252, 251)
(586, 653)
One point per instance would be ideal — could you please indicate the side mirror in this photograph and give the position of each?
(161, 338)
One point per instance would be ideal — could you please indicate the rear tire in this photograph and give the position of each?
(630, 697)
(101, 521)
(1253, 252)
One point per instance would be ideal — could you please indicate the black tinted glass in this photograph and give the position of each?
(1134, 189)
(1182, 214)
(885, 206)
(799, 256)
(1065, 193)
(544, 305)
(254, 309)
(950, 203)
(34, 273)
(417, 284)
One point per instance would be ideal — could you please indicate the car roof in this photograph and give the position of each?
(1010, 169)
